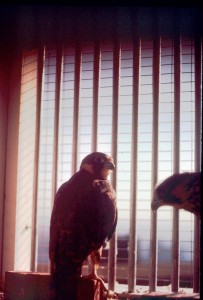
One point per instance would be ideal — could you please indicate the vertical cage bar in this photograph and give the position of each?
(175, 252)
(176, 162)
(36, 158)
(133, 201)
(155, 144)
(198, 72)
(113, 241)
(95, 94)
(76, 107)
(56, 120)
(196, 256)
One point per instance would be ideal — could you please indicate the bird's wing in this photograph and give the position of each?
(83, 217)
(113, 229)
(106, 212)
(61, 215)
(53, 237)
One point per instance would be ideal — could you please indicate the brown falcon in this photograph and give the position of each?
(84, 217)
(181, 191)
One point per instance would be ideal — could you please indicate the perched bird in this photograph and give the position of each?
(180, 191)
(84, 217)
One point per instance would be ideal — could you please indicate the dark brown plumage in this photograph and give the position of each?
(84, 217)
(181, 191)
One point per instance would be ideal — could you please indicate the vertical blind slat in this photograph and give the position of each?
(175, 228)
(133, 207)
(113, 241)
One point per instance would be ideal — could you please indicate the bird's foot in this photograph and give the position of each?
(94, 276)
(108, 293)
(111, 295)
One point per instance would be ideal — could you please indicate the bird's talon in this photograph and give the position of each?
(111, 295)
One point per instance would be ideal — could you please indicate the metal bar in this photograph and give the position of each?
(153, 252)
(198, 79)
(196, 256)
(175, 230)
(56, 120)
(96, 70)
(36, 158)
(113, 241)
(155, 144)
(198, 83)
(56, 124)
(95, 94)
(133, 201)
(175, 276)
(76, 107)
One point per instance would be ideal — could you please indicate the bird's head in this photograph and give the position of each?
(160, 199)
(165, 193)
(98, 163)
(181, 191)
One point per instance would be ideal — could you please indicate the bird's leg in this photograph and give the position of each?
(95, 257)
(94, 262)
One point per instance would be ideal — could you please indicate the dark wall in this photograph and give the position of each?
(31, 25)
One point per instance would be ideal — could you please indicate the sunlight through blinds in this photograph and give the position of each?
(104, 95)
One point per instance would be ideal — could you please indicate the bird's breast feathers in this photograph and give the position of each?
(103, 186)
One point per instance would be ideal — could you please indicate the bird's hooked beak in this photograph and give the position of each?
(104, 173)
(109, 164)
(107, 169)
(98, 163)
(155, 204)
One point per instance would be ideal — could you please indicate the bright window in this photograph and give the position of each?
(85, 97)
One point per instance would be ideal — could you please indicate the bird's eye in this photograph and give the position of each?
(105, 172)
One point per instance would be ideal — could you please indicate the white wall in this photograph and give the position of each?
(3, 131)
(8, 161)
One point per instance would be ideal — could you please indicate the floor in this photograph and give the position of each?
(142, 292)
(162, 292)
